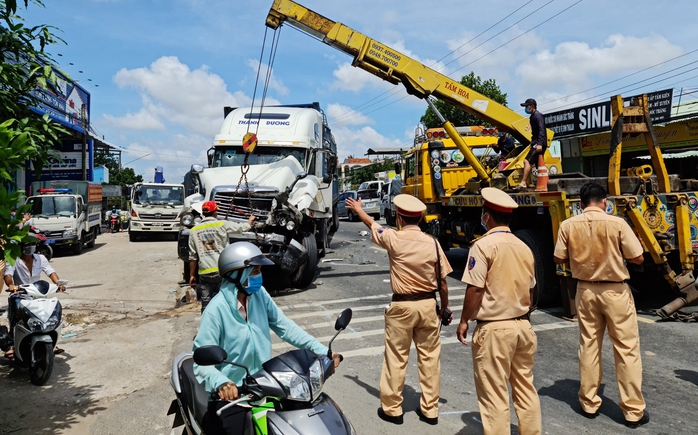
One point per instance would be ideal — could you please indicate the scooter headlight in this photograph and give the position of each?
(298, 388)
(70, 232)
(34, 325)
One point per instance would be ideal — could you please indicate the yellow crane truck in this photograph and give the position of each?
(661, 208)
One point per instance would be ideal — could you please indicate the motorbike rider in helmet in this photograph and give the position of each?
(239, 319)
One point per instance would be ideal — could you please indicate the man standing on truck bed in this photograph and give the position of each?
(206, 242)
(539, 139)
(595, 244)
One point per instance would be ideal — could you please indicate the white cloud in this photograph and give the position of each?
(274, 83)
(141, 120)
(572, 66)
(345, 115)
(357, 142)
(174, 93)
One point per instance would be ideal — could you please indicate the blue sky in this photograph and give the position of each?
(166, 68)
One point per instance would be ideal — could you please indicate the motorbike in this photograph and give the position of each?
(39, 322)
(115, 222)
(285, 395)
(43, 247)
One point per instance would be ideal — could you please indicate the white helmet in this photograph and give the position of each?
(240, 255)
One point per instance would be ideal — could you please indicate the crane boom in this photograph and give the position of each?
(395, 67)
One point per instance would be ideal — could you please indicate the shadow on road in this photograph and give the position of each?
(687, 375)
(566, 391)
(57, 406)
(473, 424)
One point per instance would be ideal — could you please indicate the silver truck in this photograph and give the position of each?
(292, 185)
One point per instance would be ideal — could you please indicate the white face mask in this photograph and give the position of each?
(29, 250)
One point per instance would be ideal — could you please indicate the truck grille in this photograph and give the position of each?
(158, 216)
(261, 207)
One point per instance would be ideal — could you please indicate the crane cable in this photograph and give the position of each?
(244, 168)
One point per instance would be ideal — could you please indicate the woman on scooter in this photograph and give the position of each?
(238, 319)
(27, 270)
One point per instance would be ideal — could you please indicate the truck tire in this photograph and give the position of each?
(77, 247)
(389, 219)
(547, 290)
(335, 220)
(93, 239)
(306, 272)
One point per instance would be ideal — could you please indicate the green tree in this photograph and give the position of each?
(25, 67)
(365, 173)
(458, 117)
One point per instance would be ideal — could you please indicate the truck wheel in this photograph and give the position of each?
(77, 247)
(389, 220)
(306, 272)
(93, 239)
(547, 290)
(335, 219)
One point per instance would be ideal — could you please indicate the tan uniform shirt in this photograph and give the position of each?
(207, 240)
(412, 256)
(503, 265)
(596, 243)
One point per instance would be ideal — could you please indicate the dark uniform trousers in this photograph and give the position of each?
(207, 287)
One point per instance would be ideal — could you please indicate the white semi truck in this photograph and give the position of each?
(68, 213)
(155, 209)
(292, 184)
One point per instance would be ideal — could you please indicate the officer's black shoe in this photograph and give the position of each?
(398, 419)
(432, 421)
(589, 415)
(635, 424)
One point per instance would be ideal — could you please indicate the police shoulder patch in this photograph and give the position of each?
(471, 263)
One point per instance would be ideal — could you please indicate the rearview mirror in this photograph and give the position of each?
(210, 355)
(343, 320)
(197, 169)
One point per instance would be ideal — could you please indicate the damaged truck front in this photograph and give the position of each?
(290, 185)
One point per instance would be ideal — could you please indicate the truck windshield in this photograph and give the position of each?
(235, 156)
(159, 195)
(44, 206)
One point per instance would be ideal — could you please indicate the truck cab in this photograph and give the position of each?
(156, 208)
(289, 184)
(67, 213)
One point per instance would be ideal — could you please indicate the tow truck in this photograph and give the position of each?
(660, 207)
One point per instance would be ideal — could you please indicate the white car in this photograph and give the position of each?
(371, 200)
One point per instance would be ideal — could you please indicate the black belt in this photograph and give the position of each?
(604, 282)
(414, 296)
(526, 316)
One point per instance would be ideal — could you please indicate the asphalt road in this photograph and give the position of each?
(113, 377)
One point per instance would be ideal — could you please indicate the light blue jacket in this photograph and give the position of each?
(247, 342)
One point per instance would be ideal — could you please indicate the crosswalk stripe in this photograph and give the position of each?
(356, 299)
(378, 350)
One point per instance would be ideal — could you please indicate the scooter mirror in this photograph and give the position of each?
(210, 355)
(343, 320)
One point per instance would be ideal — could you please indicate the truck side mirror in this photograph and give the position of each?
(209, 155)
(398, 168)
(332, 163)
(327, 178)
(197, 169)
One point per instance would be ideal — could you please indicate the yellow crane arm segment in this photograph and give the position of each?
(394, 67)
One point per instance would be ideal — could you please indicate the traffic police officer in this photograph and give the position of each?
(500, 278)
(206, 242)
(418, 267)
(595, 244)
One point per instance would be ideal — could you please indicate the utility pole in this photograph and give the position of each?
(83, 115)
